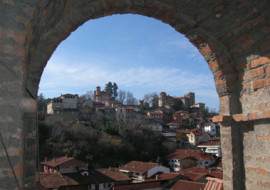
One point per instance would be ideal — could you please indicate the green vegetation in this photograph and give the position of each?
(101, 143)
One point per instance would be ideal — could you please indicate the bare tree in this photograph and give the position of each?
(131, 100)
(88, 95)
(122, 94)
(151, 99)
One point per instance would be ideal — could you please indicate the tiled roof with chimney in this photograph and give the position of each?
(62, 160)
(187, 185)
(137, 166)
(181, 154)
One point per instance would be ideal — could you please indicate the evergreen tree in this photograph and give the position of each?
(42, 103)
(108, 88)
(114, 90)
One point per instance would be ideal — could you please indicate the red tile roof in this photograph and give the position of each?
(165, 176)
(181, 154)
(138, 186)
(214, 184)
(196, 173)
(56, 180)
(187, 185)
(114, 173)
(50, 180)
(62, 160)
(194, 176)
(168, 176)
(137, 166)
(215, 139)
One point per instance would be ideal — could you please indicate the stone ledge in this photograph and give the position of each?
(221, 119)
(242, 117)
(251, 116)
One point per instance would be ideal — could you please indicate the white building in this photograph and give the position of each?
(140, 171)
(210, 128)
(213, 148)
(197, 137)
(186, 158)
(64, 102)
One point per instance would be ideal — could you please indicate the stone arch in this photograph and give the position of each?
(233, 37)
(71, 17)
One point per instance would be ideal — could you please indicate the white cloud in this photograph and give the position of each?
(57, 76)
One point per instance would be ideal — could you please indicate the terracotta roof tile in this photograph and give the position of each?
(181, 154)
(196, 173)
(114, 173)
(187, 185)
(214, 184)
(138, 186)
(137, 166)
(62, 160)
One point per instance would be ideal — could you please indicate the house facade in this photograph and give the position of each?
(185, 158)
(64, 102)
(197, 136)
(210, 128)
(62, 164)
(140, 171)
(213, 148)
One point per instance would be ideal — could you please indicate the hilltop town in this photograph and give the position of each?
(192, 157)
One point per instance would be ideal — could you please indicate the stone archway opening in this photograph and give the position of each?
(211, 49)
(233, 37)
(69, 66)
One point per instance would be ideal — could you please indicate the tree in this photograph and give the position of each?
(154, 100)
(131, 100)
(88, 95)
(42, 102)
(114, 91)
(122, 94)
(108, 88)
(151, 99)
(112, 88)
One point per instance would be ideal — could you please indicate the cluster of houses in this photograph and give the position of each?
(195, 164)
(73, 107)
(67, 173)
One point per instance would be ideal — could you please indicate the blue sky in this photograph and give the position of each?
(141, 54)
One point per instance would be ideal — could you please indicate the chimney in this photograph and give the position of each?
(45, 159)
(157, 177)
(54, 160)
(66, 155)
(98, 90)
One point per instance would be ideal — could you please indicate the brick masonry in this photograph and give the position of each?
(233, 37)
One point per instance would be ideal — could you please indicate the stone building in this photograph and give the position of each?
(64, 102)
(166, 101)
(101, 96)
